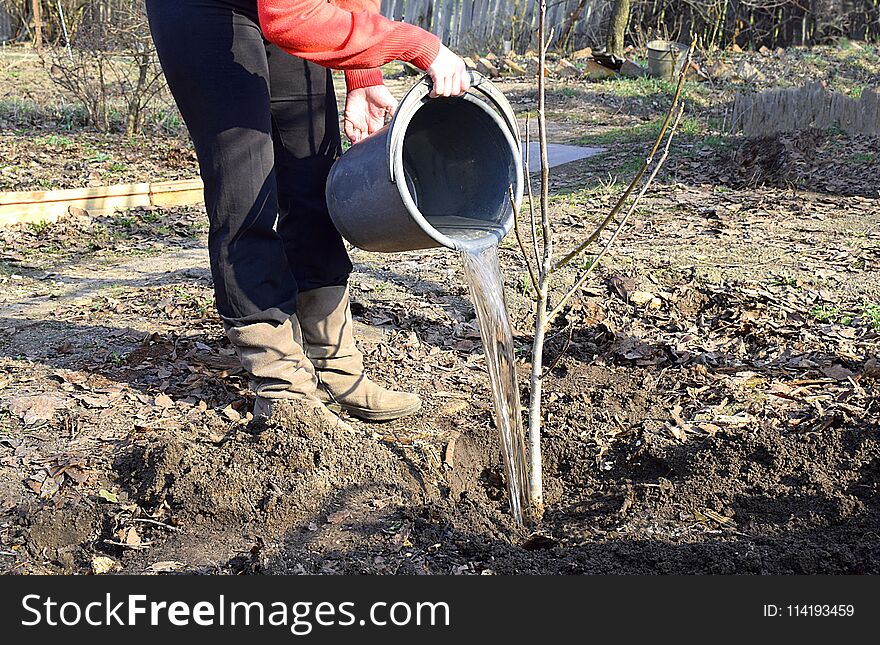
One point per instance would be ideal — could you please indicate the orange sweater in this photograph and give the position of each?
(348, 34)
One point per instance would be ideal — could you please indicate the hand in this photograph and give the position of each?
(449, 73)
(366, 109)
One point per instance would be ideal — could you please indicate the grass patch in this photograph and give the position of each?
(867, 314)
(25, 113)
(783, 280)
(864, 157)
(641, 133)
(40, 228)
(639, 87)
(872, 313)
(54, 140)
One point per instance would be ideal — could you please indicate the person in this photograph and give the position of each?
(252, 81)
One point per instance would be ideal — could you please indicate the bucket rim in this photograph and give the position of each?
(665, 46)
(398, 127)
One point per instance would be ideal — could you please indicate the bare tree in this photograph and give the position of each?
(111, 65)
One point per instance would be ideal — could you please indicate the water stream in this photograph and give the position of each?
(483, 276)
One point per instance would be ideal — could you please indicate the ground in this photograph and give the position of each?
(726, 424)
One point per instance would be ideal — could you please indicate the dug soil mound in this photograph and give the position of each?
(298, 495)
(275, 475)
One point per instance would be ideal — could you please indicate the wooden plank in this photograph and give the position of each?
(467, 20)
(480, 30)
(177, 193)
(38, 24)
(445, 20)
(428, 9)
(410, 9)
(52, 210)
(73, 194)
(455, 24)
(492, 25)
(399, 6)
(48, 206)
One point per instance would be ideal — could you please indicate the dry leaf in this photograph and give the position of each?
(837, 372)
(231, 413)
(108, 496)
(338, 517)
(164, 401)
(167, 565)
(37, 408)
(621, 286)
(102, 564)
(640, 298)
(132, 537)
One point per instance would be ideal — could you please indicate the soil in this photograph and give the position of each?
(727, 423)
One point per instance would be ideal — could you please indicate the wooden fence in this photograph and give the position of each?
(472, 26)
(481, 25)
(8, 25)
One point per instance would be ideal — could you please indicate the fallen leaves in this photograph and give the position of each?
(36, 408)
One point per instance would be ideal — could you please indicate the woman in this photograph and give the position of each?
(250, 78)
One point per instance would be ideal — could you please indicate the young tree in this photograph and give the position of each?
(540, 252)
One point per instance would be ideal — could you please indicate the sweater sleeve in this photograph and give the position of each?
(359, 78)
(338, 38)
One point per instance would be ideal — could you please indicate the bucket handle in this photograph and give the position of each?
(479, 83)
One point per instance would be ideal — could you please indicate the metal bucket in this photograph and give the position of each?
(439, 174)
(665, 58)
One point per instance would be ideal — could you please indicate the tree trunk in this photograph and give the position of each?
(617, 27)
(38, 24)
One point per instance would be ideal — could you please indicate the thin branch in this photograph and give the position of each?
(532, 219)
(519, 239)
(632, 185)
(583, 278)
(561, 353)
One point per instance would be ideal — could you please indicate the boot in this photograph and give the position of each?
(272, 354)
(327, 330)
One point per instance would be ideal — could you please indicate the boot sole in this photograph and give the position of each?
(375, 415)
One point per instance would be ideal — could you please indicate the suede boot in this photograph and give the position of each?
(328, 335)
(273, 355)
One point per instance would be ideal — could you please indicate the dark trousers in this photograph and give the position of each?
(265, 129)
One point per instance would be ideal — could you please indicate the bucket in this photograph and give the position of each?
(439, 174)
(665, 59)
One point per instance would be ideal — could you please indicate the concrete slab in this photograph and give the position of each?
(558, 154)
